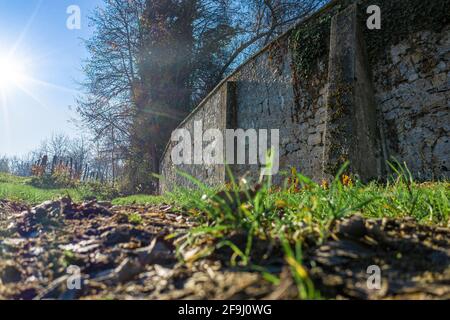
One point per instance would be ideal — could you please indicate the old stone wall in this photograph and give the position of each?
(266, 99)
(347, 94)
(413, 96)
(212, 114)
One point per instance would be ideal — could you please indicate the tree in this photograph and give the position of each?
(257, 22)
(153, 60)
(164, 97)
(4, 164)
(111, 72)
(21, 166)
(108, 105)
(79, 152)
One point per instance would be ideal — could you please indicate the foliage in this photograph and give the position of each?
(60, 178)
(309, 42)
(97, 190)
(301, 209)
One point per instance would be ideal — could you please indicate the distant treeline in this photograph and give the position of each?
(77, 159)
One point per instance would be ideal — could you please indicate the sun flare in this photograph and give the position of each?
(12, 73)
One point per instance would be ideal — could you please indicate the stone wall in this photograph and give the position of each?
(266, 99)
(212, 113)
(413, 96)
(338, 92)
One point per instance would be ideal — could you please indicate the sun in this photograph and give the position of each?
(12, 73)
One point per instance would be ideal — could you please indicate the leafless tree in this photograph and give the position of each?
(4, 164)
(21, 166)
(110, 71)
(259, 21)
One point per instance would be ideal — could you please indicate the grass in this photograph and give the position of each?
(284, 216)
(135, 218)
(302, 201)
(139, 199)
(180, 198)
(21, 189)
(300, 209)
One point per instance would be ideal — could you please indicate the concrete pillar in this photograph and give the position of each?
(230, 119)
(351, 130)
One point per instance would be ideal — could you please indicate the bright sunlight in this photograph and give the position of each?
(12, 73)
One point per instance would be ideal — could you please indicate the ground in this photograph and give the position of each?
(286, 245)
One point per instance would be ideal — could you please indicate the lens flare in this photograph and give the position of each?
(12, 73)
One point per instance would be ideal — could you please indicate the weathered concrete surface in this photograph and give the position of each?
(351, 133)
(395, 106)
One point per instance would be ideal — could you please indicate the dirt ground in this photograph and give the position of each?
(123, 259)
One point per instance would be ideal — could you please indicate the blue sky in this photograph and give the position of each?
(49, 53)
